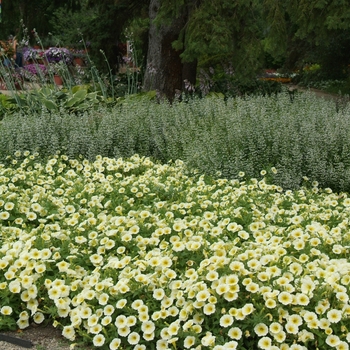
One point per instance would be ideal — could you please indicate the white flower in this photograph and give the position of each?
(115, 344)
(133, 338)
(264, 343)
(291, 328)
(108, 310)
(208, 339)
(121, 303)
(208, 309)
(38, 317)
(261, 329)
(98, 340)
(69, 332)
(334, 316)
(285, 298)
(231, 345)
(189, 341)
(148, 327)
(6, 310)
(103, 299)
(106, 320)
(226, 321)
(235, 333)
(158, 294)
(332, 340)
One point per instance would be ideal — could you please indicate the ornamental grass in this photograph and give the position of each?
(133, 254)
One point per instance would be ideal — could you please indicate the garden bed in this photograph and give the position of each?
(141, 254)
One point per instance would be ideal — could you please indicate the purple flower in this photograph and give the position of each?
(30, 54)
(36, 68)
(57, 54)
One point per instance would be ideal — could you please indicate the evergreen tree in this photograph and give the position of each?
(186, 32)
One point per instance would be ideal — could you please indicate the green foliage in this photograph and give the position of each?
(68, 25)
(6, 106)
(222, 80)
(75, 100)
(275, 43)
(304, 137)
(221, 31)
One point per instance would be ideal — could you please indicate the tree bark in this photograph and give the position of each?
(165, 71)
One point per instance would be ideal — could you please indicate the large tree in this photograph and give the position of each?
(166, 71)
(186, 32)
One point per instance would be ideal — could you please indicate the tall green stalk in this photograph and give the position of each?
(109, 73)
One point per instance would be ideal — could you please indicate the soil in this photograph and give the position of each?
(41, 337)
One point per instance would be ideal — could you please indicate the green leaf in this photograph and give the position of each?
(77, 98)
(80, 94)
(50, 105)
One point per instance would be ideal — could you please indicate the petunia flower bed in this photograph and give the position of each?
(130, 254)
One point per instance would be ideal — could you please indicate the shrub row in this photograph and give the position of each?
(301, 137)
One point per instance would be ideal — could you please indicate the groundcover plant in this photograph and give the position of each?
(129, 254)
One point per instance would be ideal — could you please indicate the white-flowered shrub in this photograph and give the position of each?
(130, 254)
(304, 137)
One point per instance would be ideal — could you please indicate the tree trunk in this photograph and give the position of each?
(165, 72)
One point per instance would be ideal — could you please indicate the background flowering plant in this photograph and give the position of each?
(11, 78)
(31, 54)
(59, 68)
(78, 52)
(36, 69)
(58, 54)
(6, 49)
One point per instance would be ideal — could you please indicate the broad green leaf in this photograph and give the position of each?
(50, 105)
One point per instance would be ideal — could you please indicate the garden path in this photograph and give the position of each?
(42, 337)
(28, 86)
(318, 93)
